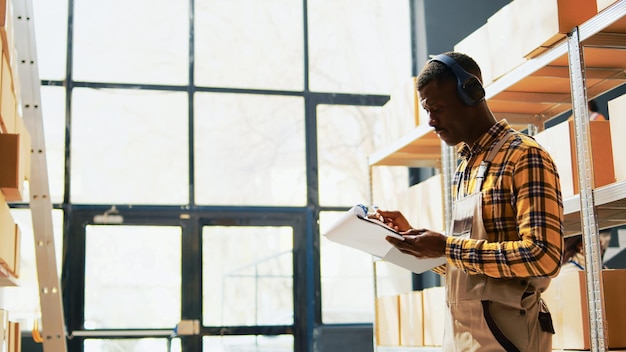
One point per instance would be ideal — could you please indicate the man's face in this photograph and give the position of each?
(447, 113)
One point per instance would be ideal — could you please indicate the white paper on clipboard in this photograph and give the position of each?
(355, 230)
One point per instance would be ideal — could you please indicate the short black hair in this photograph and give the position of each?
(435, 70)
(571, 247)
(593, 106)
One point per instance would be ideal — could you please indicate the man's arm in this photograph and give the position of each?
(538, 209)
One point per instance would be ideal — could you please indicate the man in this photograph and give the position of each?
(573, 251)
(594, 111)
(506, 236)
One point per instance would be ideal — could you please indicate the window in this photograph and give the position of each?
(249, 150)
(346, 136)
(132, 277)
(249, 44)
(359, 46)
(129, 147)
(247, 275)
(115, 41)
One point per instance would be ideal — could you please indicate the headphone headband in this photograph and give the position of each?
(469, 88)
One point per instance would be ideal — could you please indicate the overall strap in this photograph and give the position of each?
(484, 165)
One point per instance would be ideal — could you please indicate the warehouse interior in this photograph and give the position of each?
(196, 152)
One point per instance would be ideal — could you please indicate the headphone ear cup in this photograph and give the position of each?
(473, 91)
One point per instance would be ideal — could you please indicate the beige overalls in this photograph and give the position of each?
(491, 314)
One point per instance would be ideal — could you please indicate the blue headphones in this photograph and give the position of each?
(468, 88)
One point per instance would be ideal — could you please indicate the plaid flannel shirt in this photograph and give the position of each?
(522, 209)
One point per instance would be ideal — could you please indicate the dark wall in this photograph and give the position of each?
(449, 21)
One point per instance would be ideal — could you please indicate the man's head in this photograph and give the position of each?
(459, 67)
(451, 92)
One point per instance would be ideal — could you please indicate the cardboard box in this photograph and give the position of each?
(411, 319)
(551, 140)
(388, 320)
(4, 329)
(25, 146)
(601, 154)
(434, 299)
(426, 204)
(617, 120)
(564, 154)
(14, 337)
(523, 29)
(11, 167)
(6, 26)
(543, 23)
(477, 46)
(18, 247)
(402, 112)
(407, 100)
(566, 298)
(7, 238)
(8, 103)
(504, 47)
(603, 4)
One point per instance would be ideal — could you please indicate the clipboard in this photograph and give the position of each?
(354, 229)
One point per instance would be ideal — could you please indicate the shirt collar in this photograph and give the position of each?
(485, 141)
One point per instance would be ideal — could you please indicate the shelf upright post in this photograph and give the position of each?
(589, 223)
(50, 299)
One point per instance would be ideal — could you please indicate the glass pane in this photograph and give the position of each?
(129, 146)
(132, 277)
(249, 150)
(53, 115)
(51, 37)
(346, 137)
(347, 280)
(23, 301)
(247, 275)
(359, 46)
(249, 44)
(281, 343)
(130, 345)
(117, 41)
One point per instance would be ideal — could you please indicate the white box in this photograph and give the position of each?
(560, 143)
(434, 315)
(411, 319)
(426, 204)
(388, 320)
(617, 120)
(476, 45)
(566, 298)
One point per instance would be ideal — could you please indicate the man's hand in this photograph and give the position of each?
(421, 243)
(393, 219)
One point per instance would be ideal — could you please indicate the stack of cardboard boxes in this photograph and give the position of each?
(411, 319)
(417, 318)
(10, 335)
(523, 29)
(566, 297)
(14, 146)
(15, 151)
(402, 113)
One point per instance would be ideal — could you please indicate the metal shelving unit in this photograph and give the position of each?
(54, 336)
(589, 62)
